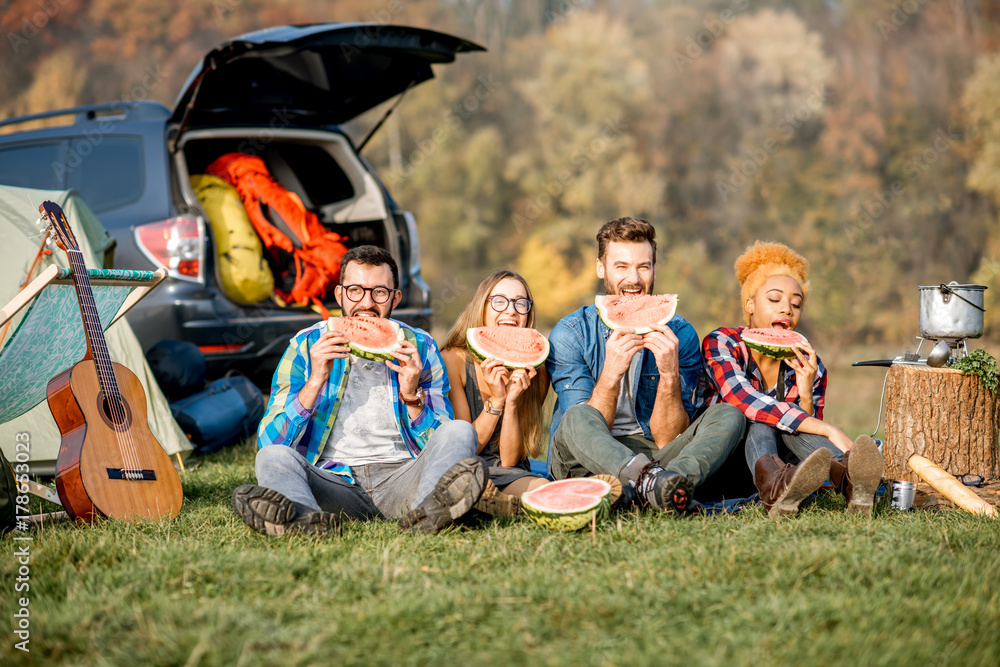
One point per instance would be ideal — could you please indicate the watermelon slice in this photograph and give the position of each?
(372, 338)
(516, 347)
(775, 343)
(569, 504)
(636, 313)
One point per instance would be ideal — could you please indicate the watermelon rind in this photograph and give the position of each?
(470, 339)
(602, 311)
(569, 520)
(376, 354)
(770, 348)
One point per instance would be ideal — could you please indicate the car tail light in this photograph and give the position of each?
(222, 348)
(176, 244)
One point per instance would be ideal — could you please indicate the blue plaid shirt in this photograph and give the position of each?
(287, 423)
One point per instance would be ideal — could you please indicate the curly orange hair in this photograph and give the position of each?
(764, 260)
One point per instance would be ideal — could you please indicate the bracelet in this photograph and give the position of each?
(488, 406)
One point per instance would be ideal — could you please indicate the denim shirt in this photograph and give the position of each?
(576, 358)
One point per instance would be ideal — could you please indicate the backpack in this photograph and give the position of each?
(225, 413)
(245, 276)
(305, 255)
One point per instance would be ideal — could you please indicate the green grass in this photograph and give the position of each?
(820, 588)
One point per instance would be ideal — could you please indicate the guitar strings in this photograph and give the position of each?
(126, 444)
(107, 377)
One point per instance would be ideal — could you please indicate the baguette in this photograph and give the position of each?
(949, 487)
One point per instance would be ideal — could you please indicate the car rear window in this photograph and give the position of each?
(108, 172)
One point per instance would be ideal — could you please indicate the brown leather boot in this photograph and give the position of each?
(783, 486)
(859, 475)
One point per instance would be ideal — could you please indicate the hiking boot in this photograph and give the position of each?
(782, 486)
(267, 511)
(859, 475)
(454, 494)
(497, 503)
(671, 492)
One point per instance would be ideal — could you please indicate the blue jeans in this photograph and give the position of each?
(791, 448)
(583, 445)
(381, 490)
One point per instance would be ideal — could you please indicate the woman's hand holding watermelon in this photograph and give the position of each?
(497, 379)
(806, 365)
(520, 380)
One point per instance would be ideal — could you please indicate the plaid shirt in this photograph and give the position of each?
(733, 377)
(287, 423)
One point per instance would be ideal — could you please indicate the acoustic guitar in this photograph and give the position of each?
(109, 463)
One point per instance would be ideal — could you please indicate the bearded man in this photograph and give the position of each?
(626, 402)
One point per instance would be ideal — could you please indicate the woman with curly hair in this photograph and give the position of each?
(790, 450)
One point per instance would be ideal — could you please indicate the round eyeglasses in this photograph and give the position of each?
(521, 305)
(357, 292)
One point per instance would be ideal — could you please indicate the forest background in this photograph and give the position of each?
(863, 133)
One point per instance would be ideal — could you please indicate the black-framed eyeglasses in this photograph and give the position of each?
(521, 305)
(356, 293)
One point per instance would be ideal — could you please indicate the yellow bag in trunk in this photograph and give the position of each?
(239, 254)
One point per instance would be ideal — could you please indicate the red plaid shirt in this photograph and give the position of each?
(733, 377)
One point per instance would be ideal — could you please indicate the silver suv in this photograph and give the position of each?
(283, 94)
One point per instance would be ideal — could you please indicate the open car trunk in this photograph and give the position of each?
(320, 167)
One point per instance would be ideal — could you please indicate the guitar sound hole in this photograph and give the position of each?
(115, 412)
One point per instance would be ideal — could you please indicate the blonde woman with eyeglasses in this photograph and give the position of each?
(504, 406)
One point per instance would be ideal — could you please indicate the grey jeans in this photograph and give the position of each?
(381, 490)
(789, 447)
(583, 445)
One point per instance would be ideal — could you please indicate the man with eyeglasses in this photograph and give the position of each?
(625, 402)
(345, 436)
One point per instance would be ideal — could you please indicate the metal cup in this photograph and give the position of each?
(903, 494)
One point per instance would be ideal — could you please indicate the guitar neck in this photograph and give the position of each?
(97, 348)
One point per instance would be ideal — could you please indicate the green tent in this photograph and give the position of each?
(20, 236)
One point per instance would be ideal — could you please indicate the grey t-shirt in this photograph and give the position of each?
(625, 421)
(365, 430)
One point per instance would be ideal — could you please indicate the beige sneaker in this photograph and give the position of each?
(497, 503)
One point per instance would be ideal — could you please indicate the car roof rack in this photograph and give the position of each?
(139, 110)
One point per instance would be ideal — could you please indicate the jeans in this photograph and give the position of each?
(583, 445)
(790, 447)
(381, 490)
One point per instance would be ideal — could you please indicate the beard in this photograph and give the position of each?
(611, 289)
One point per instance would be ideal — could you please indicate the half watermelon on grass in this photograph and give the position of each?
(516, 347)
(636, 313)
(372, 338)
(773, 342)
(569, 504)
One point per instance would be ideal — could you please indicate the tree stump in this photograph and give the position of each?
(943, 414)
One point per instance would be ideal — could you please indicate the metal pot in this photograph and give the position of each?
(951, 311)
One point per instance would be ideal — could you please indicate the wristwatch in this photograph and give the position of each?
(488, 406)
(418, 403)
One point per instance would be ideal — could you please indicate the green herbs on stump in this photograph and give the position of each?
(980, 363)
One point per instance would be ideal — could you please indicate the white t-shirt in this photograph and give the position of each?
(365, 430)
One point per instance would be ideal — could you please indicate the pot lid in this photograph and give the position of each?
(318, 74)
(955, 285)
